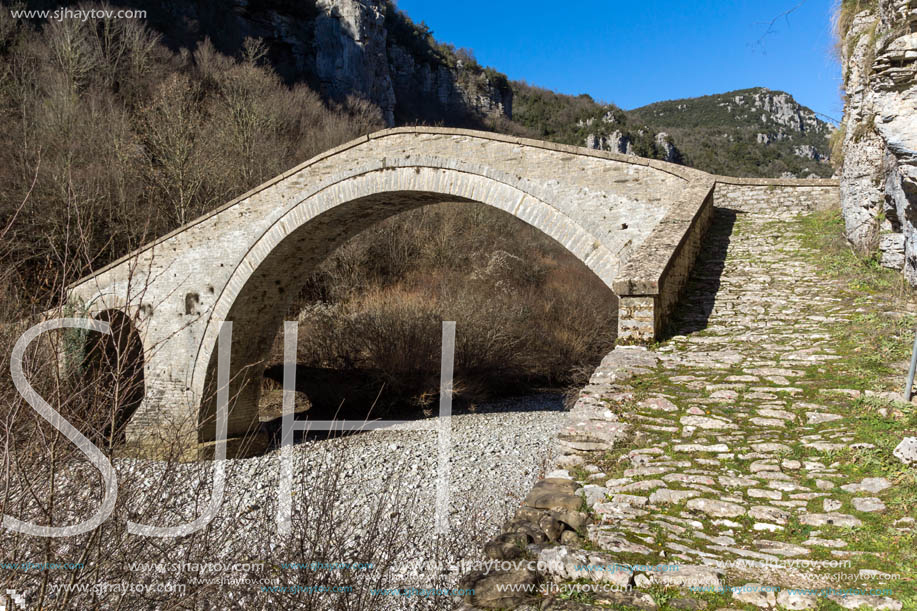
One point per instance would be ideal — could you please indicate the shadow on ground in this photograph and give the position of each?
(359, 395)
(696, 305)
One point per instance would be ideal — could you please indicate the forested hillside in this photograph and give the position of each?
(750, 132)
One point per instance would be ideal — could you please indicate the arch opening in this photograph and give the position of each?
(112, 372)
(262, 288)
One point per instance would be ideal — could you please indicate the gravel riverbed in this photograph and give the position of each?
(372, 496)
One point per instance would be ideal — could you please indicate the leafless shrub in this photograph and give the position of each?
(376, 303)
(110, 139)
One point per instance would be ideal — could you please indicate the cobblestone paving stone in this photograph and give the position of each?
(729, 426)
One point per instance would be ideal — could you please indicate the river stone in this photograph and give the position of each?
(665, 495)
(551, 526)
(868, 504)
(610, 540)
(593, 494)
(704, 422)
(795, 601)
(568, 461)
(771, 447)
(574, 519)
(768, 514)
(856, 601)
(730, 481)
(495, 590)
(553, 500)
(591, 435)
(641, 486)
(553, 493)
(834, 519)
(561, 561)
(696, 447)
(529, 514)
(755, 594)
(658, 403)
(689, 604)
(820, 417)
(533, 533)
(687, 478)
(629, 499)
(628, 600)
(687, 576)
(612, 572)
(825, 542)
(780, 548)
(506, 546)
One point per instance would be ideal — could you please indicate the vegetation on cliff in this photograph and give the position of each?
(572, 120)
(752, 137)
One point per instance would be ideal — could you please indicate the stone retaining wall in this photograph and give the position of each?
(649, 285)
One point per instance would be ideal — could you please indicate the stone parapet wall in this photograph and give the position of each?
(650, 283)
(797, 196)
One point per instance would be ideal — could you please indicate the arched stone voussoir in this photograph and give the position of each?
(244, 261)
(426, 180)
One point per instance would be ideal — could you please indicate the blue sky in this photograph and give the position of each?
(636, 52)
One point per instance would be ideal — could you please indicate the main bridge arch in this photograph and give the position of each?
(246, 261)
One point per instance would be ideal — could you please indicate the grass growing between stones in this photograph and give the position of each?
(875, 342)
(839, 354)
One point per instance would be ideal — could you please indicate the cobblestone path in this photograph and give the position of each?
(730, 433)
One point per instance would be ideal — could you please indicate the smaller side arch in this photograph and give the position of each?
(112, 374)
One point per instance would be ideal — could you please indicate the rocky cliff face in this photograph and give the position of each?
(611, 132)
(400, 71)
(362, 48)
(879, 172)
(351, 55)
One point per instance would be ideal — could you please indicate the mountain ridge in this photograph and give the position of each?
(371, 50)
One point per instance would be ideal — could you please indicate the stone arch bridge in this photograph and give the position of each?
(636, 223)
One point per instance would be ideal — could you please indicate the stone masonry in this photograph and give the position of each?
(714, 452)
(636, 223)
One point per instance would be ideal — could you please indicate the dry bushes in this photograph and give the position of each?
(528, 313)
(135, 139)
(45, 480)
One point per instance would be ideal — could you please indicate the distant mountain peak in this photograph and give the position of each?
(751, 132)
(757, 105)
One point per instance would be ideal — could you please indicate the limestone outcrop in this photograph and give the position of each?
(879, 171)
(356, 53)
(362, 48)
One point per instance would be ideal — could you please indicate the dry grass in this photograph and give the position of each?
(845, 11)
